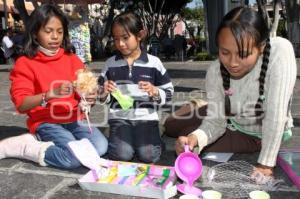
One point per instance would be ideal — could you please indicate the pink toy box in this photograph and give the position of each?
(144, 180)
(125, 178)
(289, 161)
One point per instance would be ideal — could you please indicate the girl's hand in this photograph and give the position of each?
(108, 87)
(149, 88)
(65, 89)
(190, 140)
(268, 171)
(262, 174)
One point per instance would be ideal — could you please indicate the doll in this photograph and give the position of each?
(85, 84)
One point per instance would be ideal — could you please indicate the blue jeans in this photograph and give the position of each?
(129, 137)
(60, 155)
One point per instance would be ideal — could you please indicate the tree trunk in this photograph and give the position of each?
(261, 4)
(277, 4)
(293, 16)
(189, 29)
(151, 31)
(108, 23)
(5, 14)
(20, 6)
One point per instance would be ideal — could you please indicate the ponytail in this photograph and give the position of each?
(262, 77)
(226, 85)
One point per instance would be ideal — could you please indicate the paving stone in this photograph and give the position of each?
(9, 163)
(26, 185)
(35, 168)
(75, 192)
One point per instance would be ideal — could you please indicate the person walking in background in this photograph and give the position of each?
(168, 47)
(249, 90)
(8, 46)
(18, 38)
(180, 45)
(134, 131)
(154, 45)
(41, 87)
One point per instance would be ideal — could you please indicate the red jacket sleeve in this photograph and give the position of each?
(76, 64)
(22, 82)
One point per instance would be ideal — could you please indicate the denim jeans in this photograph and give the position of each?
(60, 155)
(129, 137)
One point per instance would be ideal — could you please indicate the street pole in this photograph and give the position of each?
(5, 14)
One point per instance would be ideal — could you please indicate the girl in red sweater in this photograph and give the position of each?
(41, 87)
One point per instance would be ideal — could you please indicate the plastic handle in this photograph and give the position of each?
(186, 148)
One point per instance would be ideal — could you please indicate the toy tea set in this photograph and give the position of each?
(137, 179)
(126, 178)
(145, 180)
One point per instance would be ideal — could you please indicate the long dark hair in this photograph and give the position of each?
(246, 25)
(38, 19)
(132, 23)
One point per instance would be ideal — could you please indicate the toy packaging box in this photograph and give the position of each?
(289, 161)
(125, 178)
(133, 179)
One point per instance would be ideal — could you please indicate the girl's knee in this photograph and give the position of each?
(72, 163)
(123, 156)
(121, 152)
(149, 153)
(67, 160)
(101, 145)
(102, 149)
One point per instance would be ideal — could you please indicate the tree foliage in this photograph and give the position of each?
(158, 15)
(196, 14)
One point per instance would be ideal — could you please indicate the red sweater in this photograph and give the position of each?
(40, 74)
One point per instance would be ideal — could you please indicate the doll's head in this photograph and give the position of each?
(86, 82)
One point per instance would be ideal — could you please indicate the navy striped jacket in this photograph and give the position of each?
(145, 68)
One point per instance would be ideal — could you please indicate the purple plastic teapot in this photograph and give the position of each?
(188, 168)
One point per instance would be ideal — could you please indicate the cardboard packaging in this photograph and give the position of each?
(126, 178)
(154, 182)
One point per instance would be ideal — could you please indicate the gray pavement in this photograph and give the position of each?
(24, 179)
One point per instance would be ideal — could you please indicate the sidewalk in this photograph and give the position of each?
(24, 179)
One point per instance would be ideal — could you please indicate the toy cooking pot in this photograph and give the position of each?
(188, 168)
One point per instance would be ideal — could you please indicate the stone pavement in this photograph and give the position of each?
(24, 179)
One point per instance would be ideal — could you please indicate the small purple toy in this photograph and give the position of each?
(188, 168)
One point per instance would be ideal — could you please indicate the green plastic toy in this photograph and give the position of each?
(125, 101)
